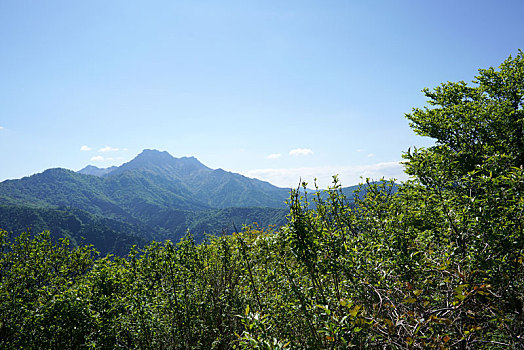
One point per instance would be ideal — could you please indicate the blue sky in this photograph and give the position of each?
(276, 90)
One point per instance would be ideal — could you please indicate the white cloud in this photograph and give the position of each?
(108, 149)
(300, 152)
(97, 158)
(85, 148)
(348, 175)
(1, 127)
(274, 156)
(371, 155)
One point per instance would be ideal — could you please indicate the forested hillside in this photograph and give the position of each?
(80, 227)
(154, 196)
(437, 262)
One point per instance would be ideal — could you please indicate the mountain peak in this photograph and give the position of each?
(152, 156)
(153, 152)
(96, 171)
(161, 163)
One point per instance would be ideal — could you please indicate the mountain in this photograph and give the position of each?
(155, 196)
(80, 227)
(213, 188)
(163, 164)
(93, 170)
(153, 178)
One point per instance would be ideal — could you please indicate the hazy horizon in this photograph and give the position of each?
(311, 184)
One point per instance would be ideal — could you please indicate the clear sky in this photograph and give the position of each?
(275, 90)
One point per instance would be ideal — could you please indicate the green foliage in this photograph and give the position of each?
(40, 303)
(113, 236)
(80, 227)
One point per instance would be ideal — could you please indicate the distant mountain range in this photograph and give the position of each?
(96, 171)
(155, 196)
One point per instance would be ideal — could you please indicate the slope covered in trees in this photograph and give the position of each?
(80, 227)
(437, 263)
(154, 196)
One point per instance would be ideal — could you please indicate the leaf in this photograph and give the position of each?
(354, 311)
(460, 297)
(325, 308)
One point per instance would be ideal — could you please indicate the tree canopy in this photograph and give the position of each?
(473, 124)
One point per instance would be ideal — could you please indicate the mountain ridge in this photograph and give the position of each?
(153, 196)
(154, 191)
(96, 171)
(216, 188)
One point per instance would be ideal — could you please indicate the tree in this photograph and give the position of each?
(41, 304)
(473, 123)
(473, 182)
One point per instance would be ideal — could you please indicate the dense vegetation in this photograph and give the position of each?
(436, 263)
(117, 236)
(109, 236)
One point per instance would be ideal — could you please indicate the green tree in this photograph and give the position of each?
(471, 183)
(41, 305)
(471, 124)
